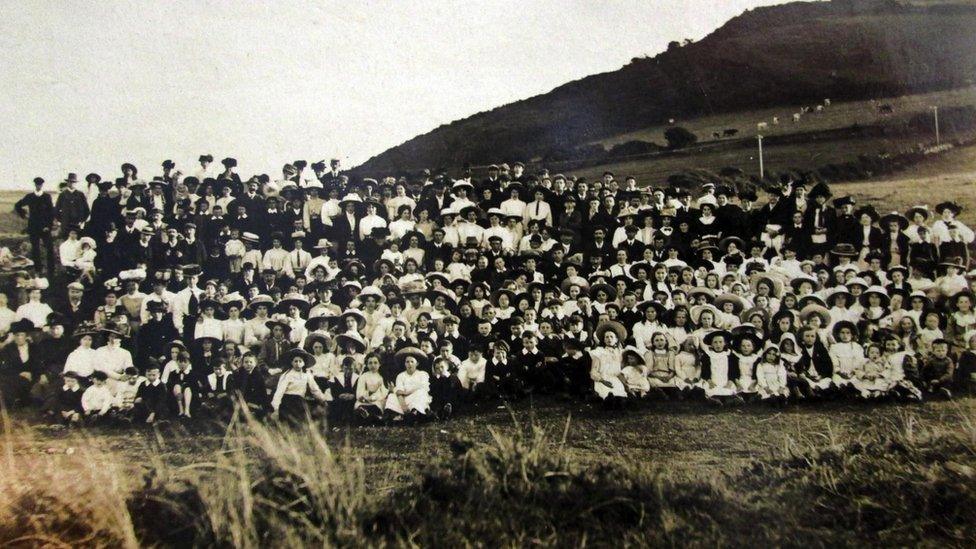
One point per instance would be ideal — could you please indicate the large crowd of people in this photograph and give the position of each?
(318, 294)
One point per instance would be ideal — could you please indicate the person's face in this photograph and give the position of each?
(809, 337)
(411, 364)
(718, 343)
(373, 364)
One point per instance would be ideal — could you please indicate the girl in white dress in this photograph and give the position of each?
(411, 393)
(846, 354)
(747, 355)
(771, 377)
(371, 392)
(635, 373)
(687, 369)
(660, 361)
(719, 369)
(874, 377)
(606, 373)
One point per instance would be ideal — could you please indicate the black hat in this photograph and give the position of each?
(168, 164)
(229, 162)
(206, 158)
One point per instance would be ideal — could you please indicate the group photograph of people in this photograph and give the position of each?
(320, 294)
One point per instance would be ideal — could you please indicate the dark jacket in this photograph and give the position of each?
(72, 207)
(38, 210)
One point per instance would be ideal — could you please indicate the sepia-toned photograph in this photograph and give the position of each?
(496, 273)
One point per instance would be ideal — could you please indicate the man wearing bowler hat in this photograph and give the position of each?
(72, 206)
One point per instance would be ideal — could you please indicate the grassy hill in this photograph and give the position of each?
(793, 54)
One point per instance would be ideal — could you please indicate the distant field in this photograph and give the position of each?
(838, 115)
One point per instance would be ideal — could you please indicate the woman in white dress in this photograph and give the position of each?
(607, 372)
(411, 393)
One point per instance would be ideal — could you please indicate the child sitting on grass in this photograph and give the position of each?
(846, 354)
(937, 370)
(98, 399)
(719, 369)
(771, 377)
(635, 373)
(687, 369)
(69, 399)
(872, 379)
(661, 362)
(747, 356)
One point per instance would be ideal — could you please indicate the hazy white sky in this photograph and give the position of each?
(88, 85)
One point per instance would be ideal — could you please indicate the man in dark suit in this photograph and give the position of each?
(38, 208)
(72, 206)
(333, 177)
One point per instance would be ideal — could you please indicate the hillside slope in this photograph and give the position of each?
(788, 54)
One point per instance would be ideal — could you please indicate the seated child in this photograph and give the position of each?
(97, 400)
(371, 391)
(687, 369)
(343, 390)
(661, 362)
(771, 377)
(471, 372)
(747, 356)
(871, 378)
(152, 402)
(635, 373)
(445, 389)
(125, 391)
(937, 370)
(184, 385)
(719, 369)
(846, 354)
(69, 399)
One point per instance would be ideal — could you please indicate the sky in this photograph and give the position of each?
(86, 86)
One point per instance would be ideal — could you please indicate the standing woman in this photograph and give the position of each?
(294, 387)
(410, 396)
(607, 372)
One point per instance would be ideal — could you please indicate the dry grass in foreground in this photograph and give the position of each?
(903, 485)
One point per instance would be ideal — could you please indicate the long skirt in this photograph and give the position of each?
(417, 401)
(293, 409)
(616, 388)
(729, 389)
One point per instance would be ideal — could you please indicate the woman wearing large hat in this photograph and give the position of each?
(947, 228)
(411, 392)
(295, 385)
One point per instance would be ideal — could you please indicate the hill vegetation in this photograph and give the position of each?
(793, 54)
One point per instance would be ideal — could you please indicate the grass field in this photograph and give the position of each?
(838, 115)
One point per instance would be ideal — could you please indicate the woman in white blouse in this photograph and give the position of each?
(411, 393)
(82, 360)
(371, 392)
(294, 387)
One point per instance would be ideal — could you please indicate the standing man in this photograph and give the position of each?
(332, 177)
(38, 208)
(72, 206)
